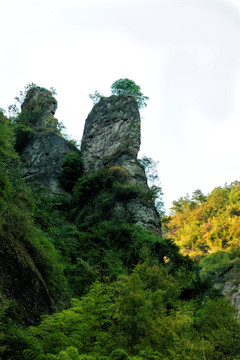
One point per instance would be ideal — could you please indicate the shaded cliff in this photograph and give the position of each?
(112, 137)
(42, 159)
(21, 280)
(25, 253)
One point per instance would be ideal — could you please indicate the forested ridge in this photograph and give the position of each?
(206, 227)
(116, 290)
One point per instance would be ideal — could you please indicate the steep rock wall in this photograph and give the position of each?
(42, 159)
(112, 137)
(231, 290)
(112, 127)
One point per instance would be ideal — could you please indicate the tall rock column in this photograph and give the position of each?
(112, 137)
(112, 127)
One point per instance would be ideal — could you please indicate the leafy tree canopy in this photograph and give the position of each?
(205, 224)
(150, 167)
(126, 86)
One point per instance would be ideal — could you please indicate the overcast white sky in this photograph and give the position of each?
(185, 55)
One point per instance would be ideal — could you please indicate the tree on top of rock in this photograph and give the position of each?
(126, 86)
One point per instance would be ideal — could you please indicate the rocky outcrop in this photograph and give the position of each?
(231, 290)
(112, 137)
(41, 103)
(42, 159)
(42, 156)
(112, 128)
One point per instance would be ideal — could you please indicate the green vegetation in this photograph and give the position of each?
(119, 291)
(150, 167)
(139, 314)
(207, 229)
(126, 86)
(72, 169)
(37, 111)
(207, 224)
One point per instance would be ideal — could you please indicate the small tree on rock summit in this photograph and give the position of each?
(126, 86)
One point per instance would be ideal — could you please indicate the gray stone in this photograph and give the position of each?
(111, 129)
(43, 155)
(231, 290)
(42, 159)
(112, 137)
(41, 100)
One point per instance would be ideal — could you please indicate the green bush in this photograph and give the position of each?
(23, 136)
(150, 354)
(72, 170)
(118, 354)
(126, 86)
(70, 353)
(215, 265)
(13, 336)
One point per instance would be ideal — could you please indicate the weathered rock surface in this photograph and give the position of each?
(112, 127)
(231, 290)
(112, 137)
(41, 101)
(42, 159)
(43, 155)
(21, 280)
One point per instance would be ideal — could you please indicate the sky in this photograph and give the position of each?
(185, 55)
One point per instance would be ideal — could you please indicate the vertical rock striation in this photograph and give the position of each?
(112, 137)
(112, 128)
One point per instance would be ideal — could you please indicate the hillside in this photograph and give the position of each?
(85, 270)
(207, 228)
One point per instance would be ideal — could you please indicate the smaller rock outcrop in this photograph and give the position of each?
(231, 290)
(43, 154)
(41, 103)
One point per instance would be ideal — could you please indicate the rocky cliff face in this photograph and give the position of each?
(42, 159)
(112, 127)
(41, 102)
(112, 137)
(231, 290)
(43, 155)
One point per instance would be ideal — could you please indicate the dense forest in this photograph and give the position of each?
(118, 291)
